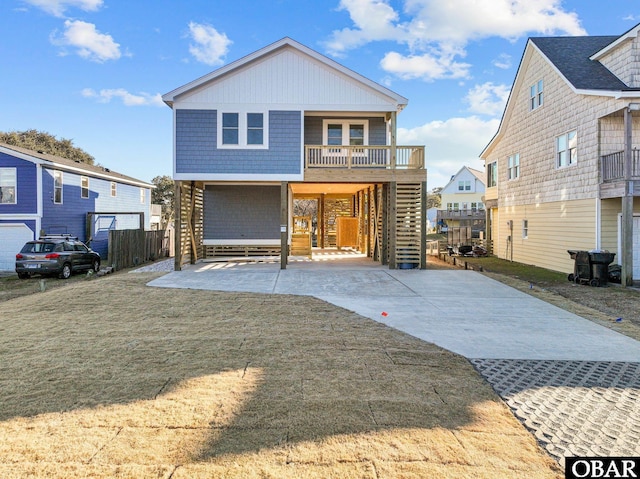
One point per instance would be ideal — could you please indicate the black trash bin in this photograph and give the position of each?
(582, 267)
(600, 262)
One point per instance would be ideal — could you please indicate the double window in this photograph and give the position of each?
(242, 130)
(567, 149)
(464, 185)
(345, 132)
(536, 95)
(513, 166)
(8, 186)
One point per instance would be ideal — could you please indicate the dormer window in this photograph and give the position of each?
(536, 95)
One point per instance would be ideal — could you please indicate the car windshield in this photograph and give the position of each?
(38, 247)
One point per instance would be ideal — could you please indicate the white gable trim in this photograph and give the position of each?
(625, 37)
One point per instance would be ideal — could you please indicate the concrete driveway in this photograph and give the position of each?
(574, 384)
(462, 311)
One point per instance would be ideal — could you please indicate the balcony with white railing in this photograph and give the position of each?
(369, 156)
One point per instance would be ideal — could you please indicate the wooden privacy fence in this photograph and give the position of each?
(128, 248)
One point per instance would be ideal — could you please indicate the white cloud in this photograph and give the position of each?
(210, 46)
(128, 99)
(503, 61)
(58, 7)
(373, 19)
(88, 42)
(436, 32)
(488, 99)
(450, 145)
(459, 21)
(426, 66)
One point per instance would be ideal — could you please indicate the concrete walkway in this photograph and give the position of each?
(574, 384)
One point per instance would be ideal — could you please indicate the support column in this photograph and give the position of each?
(626, 255)
(284, 224)
(393, 144)
(393, 223)
(384, 243)
(423, 226)
(177, 231)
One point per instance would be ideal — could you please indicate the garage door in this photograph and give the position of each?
(12, 239)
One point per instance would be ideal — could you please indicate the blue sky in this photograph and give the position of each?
(93, 70)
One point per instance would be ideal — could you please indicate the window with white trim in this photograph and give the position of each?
(567, 149)
(513, 166)
(241, 129)
(114, 189)
(525, 229)
(536, 95)
(84, 187)
(492, 174)
(345, 132)
(8, 186)
(57, 187)
(464, 185)
(143, 196)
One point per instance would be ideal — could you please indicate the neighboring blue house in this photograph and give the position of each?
(286, 123)
(41, 193)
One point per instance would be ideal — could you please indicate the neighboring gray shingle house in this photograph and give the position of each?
(286, 123)
(563, 170)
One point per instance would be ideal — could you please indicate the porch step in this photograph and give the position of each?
(301, 244)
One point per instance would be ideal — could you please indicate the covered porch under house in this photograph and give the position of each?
(383, 221)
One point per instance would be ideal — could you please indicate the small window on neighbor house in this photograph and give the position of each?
(566, 149)
(449, 206)
(57, 187)
(113, 188)
(230, 129)
(536, 95)
(456, 206)
(8, 186)
(84, 187)
(513, 167)
(464, 185)
(142, 195)
(525, 229)
(492, 174)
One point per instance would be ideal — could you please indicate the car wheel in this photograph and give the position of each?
(96, 265)
(24, 275)
(65, 273)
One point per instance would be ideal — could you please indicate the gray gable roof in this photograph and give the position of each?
(86, 169)
(570, 55)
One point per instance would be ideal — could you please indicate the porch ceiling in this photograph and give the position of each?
(327, 188)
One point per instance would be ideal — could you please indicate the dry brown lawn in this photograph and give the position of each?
(111, 378)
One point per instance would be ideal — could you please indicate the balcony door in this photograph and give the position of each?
(345, 133)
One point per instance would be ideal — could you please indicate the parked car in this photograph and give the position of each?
(56, 255)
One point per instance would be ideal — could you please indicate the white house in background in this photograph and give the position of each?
(461, 201)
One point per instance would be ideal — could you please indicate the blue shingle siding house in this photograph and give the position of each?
(41, 193)
(286, 123)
